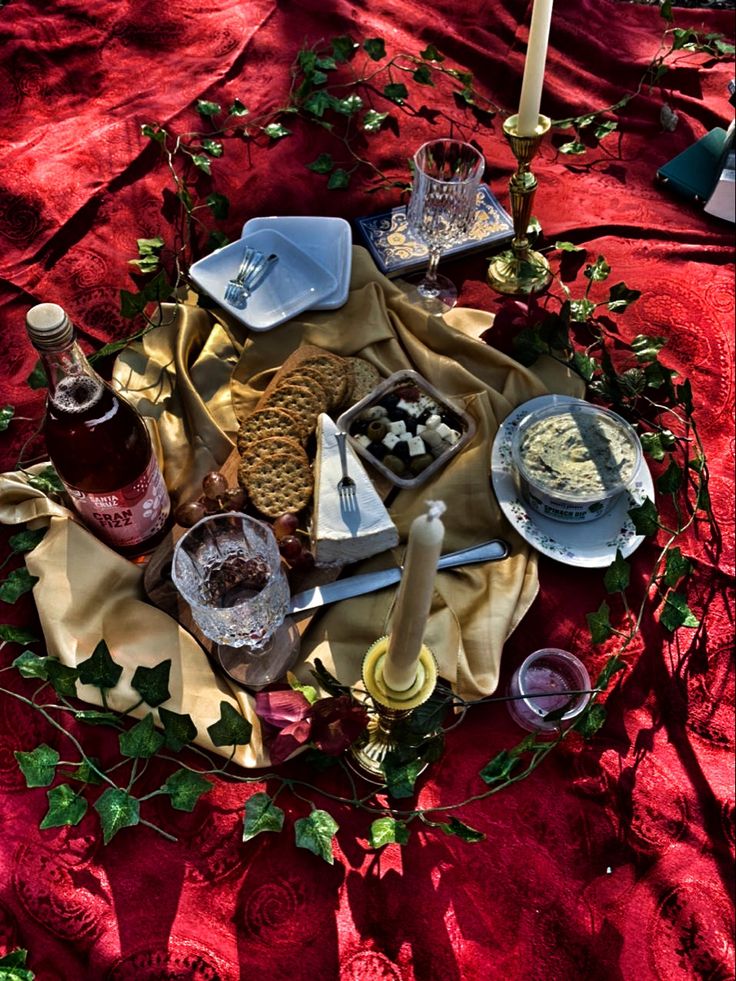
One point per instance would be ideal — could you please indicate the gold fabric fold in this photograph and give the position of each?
(194, 377)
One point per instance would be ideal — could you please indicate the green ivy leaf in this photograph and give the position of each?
(581, 310)
(142, 741)
(599, 624)
(401, 775)
(431, 53)
(605, 129)
(16, 584)
(676, 613)
(645, 517)
(152, 684)
(16, 635)
(261, 814)
(573, 148)
(343, 48)
(47, 481)
(613, 665)
(585, 365)
(323, 164)
(149, 246)
(218, 204)
(309, 691)
(117, 810)
(185, 788)
(676, 566)
(99, 670)
(685, 396)
(231, 729)
(617, 575)
(38, 766)
(665, 11)
(338, 180)
(6, 414)
(656, 445)
(597, 271)
(569, 247)
(620, 297)
(590, 721)
(375, 48)
(328, 681)
(372, 121)
(94, 717)
(216, 240)
(37, 378)
(315, 833)
(87, 771)
(348, 106)
(205, 108)
(388, 831)
(463, 831)
(154, 133)
(213, 147)
(63, 678)
(31, 665)
(645, 347)
(179, 730)
(396, 92)
(423, 75)
(12, 966)
(276, 131)
(500, 767)
(202, 163)
(66, 807)
(318, 103)
(671, 480)
(237, 109)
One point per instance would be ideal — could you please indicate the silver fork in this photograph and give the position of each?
(346, 484)
(235, 285)
(253, 278)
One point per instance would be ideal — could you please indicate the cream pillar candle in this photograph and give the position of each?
(415, 598)
(536, 55)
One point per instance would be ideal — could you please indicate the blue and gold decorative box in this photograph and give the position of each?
(396, 253)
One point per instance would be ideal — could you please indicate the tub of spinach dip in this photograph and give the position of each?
(574, 460)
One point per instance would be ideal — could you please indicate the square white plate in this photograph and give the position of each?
(293, 284)
(328, 241)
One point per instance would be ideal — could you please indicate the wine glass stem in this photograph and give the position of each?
(434, 258)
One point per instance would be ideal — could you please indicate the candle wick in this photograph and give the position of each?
(435, 509)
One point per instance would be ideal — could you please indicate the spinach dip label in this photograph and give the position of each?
(578, 454)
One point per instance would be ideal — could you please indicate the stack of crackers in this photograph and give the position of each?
(275, 470)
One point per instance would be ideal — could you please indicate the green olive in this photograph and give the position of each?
(376, 430)
(419, 463)
(395, 464)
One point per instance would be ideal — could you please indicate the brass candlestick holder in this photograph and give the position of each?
(392, 708)
(521, 270)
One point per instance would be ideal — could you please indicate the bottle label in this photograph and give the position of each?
(127, 516)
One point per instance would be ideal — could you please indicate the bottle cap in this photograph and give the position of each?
(48, 326)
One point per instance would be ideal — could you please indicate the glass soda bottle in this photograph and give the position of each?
(97, 442)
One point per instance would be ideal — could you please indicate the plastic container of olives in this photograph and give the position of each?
(407, 429)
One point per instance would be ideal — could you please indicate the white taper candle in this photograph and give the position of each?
(536, 56)
(415, 598)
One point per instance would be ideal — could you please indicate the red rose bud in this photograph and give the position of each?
(336, 723)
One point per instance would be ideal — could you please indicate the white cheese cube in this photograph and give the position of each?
(390, 440)
(453, 437)
(398, 427)
(443, 429)
(420, 428)
(405, 437)
(434, 421)
(416, 446)
(411, 408)
(363, 439)
(373, 412)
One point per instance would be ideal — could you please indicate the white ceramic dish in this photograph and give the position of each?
(591, 544)
(294, 283)
(328, 241)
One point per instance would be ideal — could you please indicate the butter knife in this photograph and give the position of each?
(369, 582)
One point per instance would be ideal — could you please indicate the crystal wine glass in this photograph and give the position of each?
(442, 209)
(228, 569)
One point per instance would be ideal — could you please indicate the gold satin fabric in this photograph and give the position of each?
(194, 376)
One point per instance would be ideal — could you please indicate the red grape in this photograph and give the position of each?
(303, 562)
(214, 484)
(290, 547)
(234, 499)
(285, 525)
(189, 514)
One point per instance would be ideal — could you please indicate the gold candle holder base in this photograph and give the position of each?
(392, 708)
(521, 270)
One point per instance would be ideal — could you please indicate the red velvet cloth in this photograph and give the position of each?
(615, 858)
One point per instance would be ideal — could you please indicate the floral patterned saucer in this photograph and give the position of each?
(590, 545)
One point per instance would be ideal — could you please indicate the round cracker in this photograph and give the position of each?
(303, 401)
(282, 482)
(261, 449)
(332, 373)
(363, 379)
(265, 422)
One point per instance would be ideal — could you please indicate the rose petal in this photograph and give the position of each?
(289, 740)
(279, 708)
